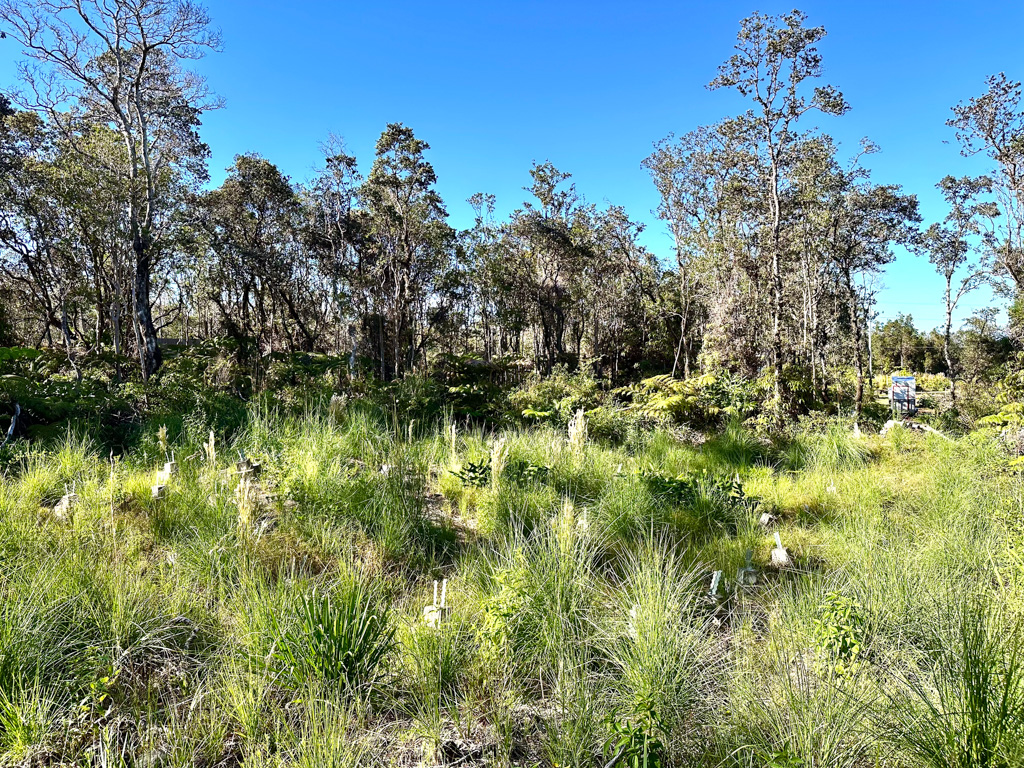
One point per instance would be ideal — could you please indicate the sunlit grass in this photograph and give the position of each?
(577, 594)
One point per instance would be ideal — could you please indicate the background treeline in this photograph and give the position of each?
(112, 248)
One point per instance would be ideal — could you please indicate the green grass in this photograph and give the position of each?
(285, 625)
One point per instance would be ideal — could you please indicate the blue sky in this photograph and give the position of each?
(589, 86)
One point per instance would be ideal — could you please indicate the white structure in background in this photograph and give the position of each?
(903, 394)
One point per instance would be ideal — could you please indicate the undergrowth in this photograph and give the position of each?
(274, 603)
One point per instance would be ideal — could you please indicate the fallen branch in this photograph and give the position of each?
(618, 756)
(926, 428)
(10, 430)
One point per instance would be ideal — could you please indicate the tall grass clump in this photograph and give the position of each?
(538, 598)
(575, 730)
(323, 739)
(837, 449)
(659, 647)
(786, 715)
(966, 708)
(25, 722)
(341, 638)
(737, 448)
(438, 661)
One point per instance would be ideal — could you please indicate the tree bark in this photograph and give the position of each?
(858, 361)
(947, 336)
(149, 348)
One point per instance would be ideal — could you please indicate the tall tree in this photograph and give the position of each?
(118, 63)
(38, 240)
(949, 249)
(774, 57)
(408, 249)
(900, 345)
(694, 175)
(252, 221)
(550, 239)
(993, 124)
(870, 219)
(333, 233)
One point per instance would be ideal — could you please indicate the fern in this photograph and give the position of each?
(683, 400)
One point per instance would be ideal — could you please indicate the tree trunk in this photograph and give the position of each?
(858, 398)
(149, 348)
(69, 346)
(947, 336)
(777, 322)
(871, 356)
(679, 348)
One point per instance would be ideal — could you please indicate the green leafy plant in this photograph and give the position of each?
(527, 472)
(505, 608)
(684, 400)
(556, 397)
(840, 632)
(713, 498)
(475, 473)
(340, 639)
(783, 758)
(636, 742)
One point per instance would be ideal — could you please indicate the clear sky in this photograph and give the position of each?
(589, 86)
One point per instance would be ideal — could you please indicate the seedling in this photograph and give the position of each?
(475, 473)
(434, 613)
(747, 575)
(158, 492)
(63, 508)
(716, 580)
(780, 557)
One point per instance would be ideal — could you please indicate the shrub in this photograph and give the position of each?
(840, 632)
(556, 398)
